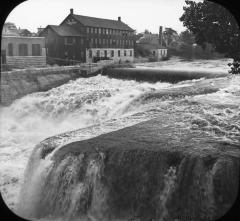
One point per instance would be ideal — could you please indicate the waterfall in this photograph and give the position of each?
(68, 151)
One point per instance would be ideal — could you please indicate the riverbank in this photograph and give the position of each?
(17, 83)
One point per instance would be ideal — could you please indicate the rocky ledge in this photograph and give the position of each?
(150, 171)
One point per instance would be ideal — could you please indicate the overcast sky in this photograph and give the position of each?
(138, 14)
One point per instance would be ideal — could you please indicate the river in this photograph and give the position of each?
(87, 107)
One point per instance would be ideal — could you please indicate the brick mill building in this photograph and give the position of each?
(89, 39)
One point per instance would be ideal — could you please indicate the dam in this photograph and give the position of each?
(107, 148)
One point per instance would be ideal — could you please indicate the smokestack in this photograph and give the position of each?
(160, 35)
(119, 18)
(71, 10)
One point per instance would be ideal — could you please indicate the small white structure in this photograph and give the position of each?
(114, 54)
(159, 52)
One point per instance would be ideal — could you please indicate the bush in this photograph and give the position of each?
(142, 52)
(235, 67)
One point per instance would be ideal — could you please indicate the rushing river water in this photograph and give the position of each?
(97, 105)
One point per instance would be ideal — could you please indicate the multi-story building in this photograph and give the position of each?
(89, 39)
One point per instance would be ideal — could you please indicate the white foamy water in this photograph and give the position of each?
(77, 104)
(94, 105)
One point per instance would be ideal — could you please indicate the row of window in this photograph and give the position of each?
(72, 40)
(111, 42)
(23, 49)
(108, 31)
(111, 53)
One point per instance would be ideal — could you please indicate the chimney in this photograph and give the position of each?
(160, 35)
(119, 18)
(71, 10)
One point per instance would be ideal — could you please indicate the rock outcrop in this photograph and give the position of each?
(154, 170)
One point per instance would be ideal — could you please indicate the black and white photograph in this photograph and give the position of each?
(120, 110)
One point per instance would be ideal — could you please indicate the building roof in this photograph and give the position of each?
(150, 42)
(153, 46)
(65, 30)
(102, 23)
(10, 29)
(24, 32)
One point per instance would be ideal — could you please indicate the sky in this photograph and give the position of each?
(138, 14)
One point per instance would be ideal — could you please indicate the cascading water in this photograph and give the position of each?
(73, 187)
(78, 104)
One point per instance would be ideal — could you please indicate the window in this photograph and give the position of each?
(105, 53)
(119, 53)
(99, 41)
(112, 53)
(3, 56)
(91, 30)
(103, 41)
(36, 50)
(96, 30)
(23, 50)
(10, 49)
(95, 40)
(125, 53)
(131, 53)
(90, 54)
(87, 29)
(113, 31)
(110, 31)
(98, 53)
(107, 31)
(69, 40)
(99, 30)
(110, 41)
(81, 41)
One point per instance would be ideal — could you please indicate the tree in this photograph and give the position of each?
(212, 23)
(187, 37)
(146, 31)
(169, 35)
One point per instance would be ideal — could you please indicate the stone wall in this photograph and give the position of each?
(16, 84)
(25, 61)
